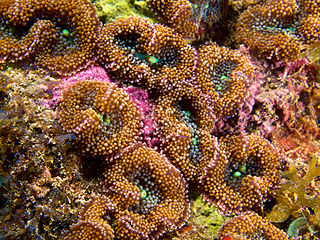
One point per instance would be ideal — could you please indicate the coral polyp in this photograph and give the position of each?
(149, 194)
(102, 116)
(149, 54)
(61, 38)
(185, 122)
(278, 30)
(243, 175)
(225, 76)
(250, 226)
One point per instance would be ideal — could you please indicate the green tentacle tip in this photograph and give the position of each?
(108, 121)
(223, 77)
(243, 168)
(236, 174)
(66, 33)
(100, 116)
(188, 113)
(143, 194)
(219, 88)
(152, 59)
(194, 141)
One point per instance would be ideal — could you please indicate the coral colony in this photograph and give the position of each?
(160, 119)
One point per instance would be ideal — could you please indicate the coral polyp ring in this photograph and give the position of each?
(176, 14)
(185, 123)
(58, 36)
(149, 194)
(138, 51)
(102, 116)
(175, 59)
(250, 226)
(223, 74)
(13, 49)
(244, 174)
(121, 48)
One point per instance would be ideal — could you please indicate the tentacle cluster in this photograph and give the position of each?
(250, 226)
(135, 50)
(224, 75)
(185, 17)
(176, 14)
(185, 123)
(242, 176)
(58, 36)
(92, 224)
(149, 194)
(208, 11)
(102, 116)
(279, 29)
(309, 24)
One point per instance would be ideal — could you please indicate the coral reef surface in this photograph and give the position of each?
(147, 119)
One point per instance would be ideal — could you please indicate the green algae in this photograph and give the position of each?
(292, 195)
(207, 217)
(109, 10)
(312, 52)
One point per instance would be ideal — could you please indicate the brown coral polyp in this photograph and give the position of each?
(134, 50)
(185, 123)
(58, 36)
(102, 116)
(176, 60)
(93, 222)
(176, 14)
(149, 194)
(278, 30)
(250, 226)
(243, 175)
(224, 75)
(120, 44)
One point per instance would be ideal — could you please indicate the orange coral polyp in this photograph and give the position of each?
(46, 46)
(224, 75)
(134, 50)
(102, 115)
(176, 14)
(149, 194)
(243, 175)
(250, 226)
(185, 125)
(278, 30)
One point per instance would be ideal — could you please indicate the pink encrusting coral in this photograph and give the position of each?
(150, 127)
(92, 73)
